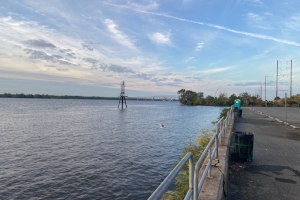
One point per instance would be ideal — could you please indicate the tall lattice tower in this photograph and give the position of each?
(122, 95)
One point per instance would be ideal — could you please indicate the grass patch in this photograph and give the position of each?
(182, 180)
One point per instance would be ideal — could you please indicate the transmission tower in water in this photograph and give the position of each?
(122, 96)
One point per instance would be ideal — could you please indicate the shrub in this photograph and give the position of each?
(182, 180)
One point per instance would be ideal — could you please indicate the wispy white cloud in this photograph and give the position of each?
(144, 5)
(214, 26)
(160, 38)
(118, 35)
(187, 60)
(257, 21)
(267, 13)
(293, 22)
(216, 70)
(199, 46)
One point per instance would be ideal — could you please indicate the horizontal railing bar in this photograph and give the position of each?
(189, 194)
(203, 177)
(206, 149)
(219, 121)
(213, 153)
(168, 180)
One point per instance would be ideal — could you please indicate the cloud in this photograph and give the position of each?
(248, 84)
(115, 68)
(39, 44)
(199, 46)
(91, 60)
(142, 76)
(68, 52)
(160, 38)
(40, 55)
(58, 69)
(65, 50)
(149, 5)
(34, 54)
(174, 82)
(267, 13)
(167, 74)
(187, 60)
(62, 62)
(52, 66)
(71, 55)
(118, 35)
(214, 26)
(87, 47)
(293, 22)
(62, 69)
(216, 70)
(193, 77)
(257, 21)
(157, 79)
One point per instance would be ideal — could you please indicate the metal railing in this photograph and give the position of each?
(167, 182)
(193, 193)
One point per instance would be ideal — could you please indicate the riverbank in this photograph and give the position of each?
(46, 96)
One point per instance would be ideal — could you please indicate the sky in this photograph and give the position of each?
(76, 47)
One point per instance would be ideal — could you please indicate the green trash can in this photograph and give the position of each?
(243, 146)
(237, 103)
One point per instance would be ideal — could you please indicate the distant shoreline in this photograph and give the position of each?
(42, 96)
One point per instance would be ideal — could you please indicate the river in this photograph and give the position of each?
(89, 149)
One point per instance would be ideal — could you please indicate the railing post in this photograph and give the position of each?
(217, 131)
(220, 125)
(224, 127)
(221, 139)
(209, 170)
(191, 175)
(217, 145)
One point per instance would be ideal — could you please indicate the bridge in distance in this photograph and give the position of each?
(155, 98)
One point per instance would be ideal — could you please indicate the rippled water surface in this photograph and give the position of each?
(88, 149)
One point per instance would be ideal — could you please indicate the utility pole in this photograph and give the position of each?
(285, 112)
(277, 83)
(266, 90)
(260, 91)
(291, 84)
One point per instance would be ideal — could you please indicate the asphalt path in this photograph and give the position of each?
(293, 114)
(275, 170)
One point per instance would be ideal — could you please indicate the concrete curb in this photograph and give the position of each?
(294, 127)
(215, 188)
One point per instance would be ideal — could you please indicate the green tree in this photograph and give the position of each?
(182, 97)
(209, 100)
(222, 99)
(231, 99)
(7, 95)
(258, 102)
(245, 97)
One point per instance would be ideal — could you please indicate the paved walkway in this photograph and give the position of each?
(293, 114)
(275, 171)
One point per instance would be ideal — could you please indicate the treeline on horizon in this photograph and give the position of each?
(46, 96)
(189, 97)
